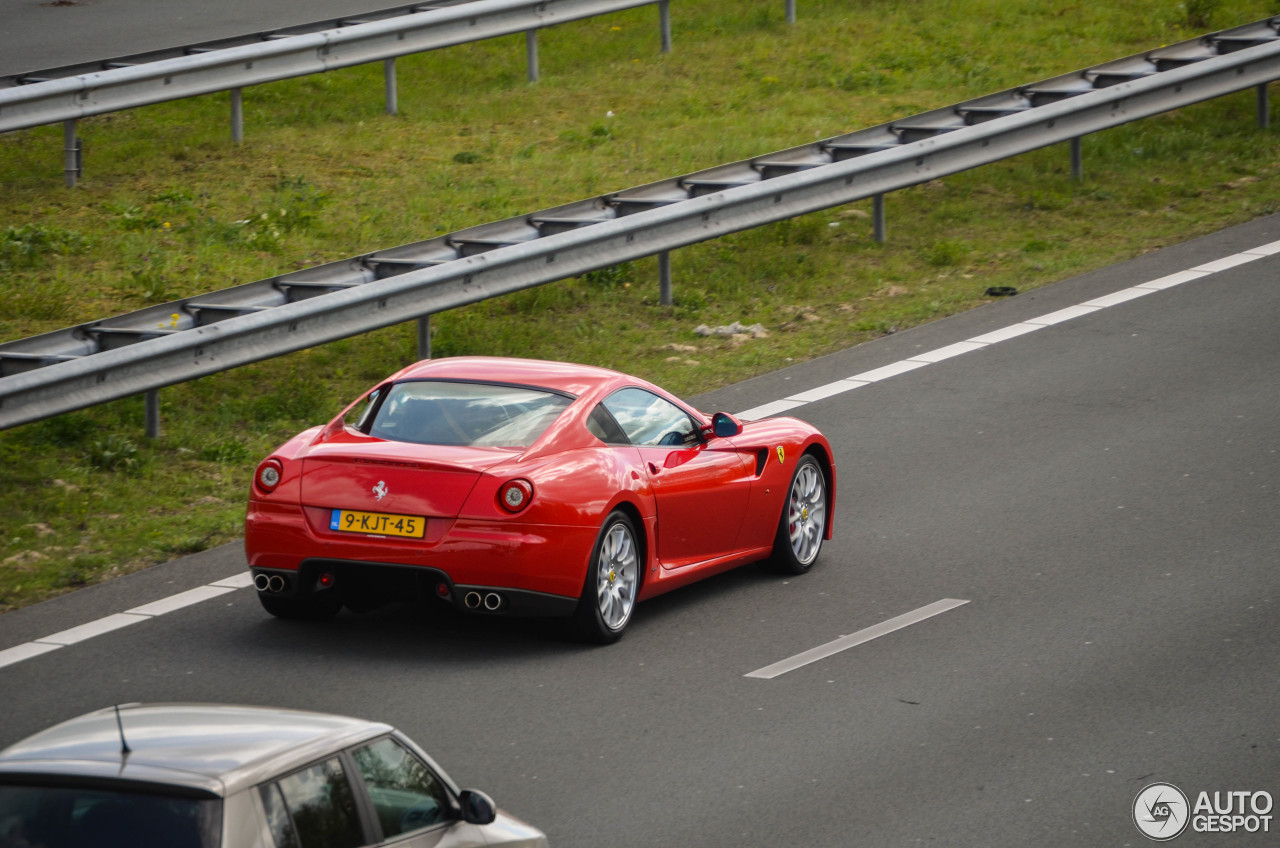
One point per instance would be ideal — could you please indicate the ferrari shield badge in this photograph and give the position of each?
(782, 455)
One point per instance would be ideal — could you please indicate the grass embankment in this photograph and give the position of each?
(169, 207)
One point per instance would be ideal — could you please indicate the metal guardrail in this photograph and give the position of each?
(48, 74)
(140, 352)
(68, 94)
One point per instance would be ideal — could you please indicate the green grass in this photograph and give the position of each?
(168, 207)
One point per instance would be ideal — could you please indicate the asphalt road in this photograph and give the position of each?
(1102, 492)
(38, 34)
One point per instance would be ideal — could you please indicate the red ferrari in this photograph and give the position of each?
(522, 487)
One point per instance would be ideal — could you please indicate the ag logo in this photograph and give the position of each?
(1161, 811)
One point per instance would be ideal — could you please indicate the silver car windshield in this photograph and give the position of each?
(432, 412)
(54, 816)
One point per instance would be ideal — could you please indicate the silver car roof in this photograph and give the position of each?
(215, 748)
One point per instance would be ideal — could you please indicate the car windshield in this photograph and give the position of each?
(435, 412)
(70, 817)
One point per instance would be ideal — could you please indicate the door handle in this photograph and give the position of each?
(653, 468)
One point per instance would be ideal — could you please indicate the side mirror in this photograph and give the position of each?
(477, 807)
(725, 425)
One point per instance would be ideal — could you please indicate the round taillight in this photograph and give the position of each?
(269, 474)
(515, 495)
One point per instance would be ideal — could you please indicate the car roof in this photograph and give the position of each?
(216, 748)
(559, 376)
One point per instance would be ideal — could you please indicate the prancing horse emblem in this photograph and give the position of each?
(381, 489)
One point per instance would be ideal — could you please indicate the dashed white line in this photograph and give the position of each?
(243, 580)
(844, 643)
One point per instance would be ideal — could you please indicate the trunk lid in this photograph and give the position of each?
(395, 477)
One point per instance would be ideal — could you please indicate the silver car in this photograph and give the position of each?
(219, 776)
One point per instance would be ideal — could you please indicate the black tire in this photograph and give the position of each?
(317, 607)
(803, 522)
(612, 583)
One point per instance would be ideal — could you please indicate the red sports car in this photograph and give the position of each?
(523, 487)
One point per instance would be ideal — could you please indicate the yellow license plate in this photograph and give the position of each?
(377, 523)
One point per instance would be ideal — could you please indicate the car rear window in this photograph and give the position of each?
(70, 817)
(437, 412)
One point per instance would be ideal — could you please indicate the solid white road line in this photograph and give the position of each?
(1005, 333)
(845, 642)
(93, 628)
(243, 580)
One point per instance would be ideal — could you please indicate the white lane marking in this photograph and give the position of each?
(182, 599)
(137, 615)
(93, 628)
(243, 580)
(1229, 262)
(25, 651)
(771, 408)
(1011, 332)
(1265, 250)
(947, 352)
(1122, 296)
(875, 375)
(845, 642)
(829, 390)
(1064, 315)
(1003, 335)
(1172, 280)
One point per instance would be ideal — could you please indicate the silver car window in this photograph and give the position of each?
(406, 795)
(60, 816)
(321, 806)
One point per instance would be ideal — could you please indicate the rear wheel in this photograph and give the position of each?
(317, 607)
(613, 582)
(803, 522)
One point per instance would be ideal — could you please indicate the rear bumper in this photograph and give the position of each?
(358, 580)
(523, 559)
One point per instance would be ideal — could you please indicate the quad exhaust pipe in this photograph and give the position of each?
(491, 601)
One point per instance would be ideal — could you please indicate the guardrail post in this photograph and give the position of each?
(153, 413)
(664, 24)
(424, 337)
(237, 115)
(1264, 107)
(1077, 160)
(72, 153)
(791, 11)
(531, 47)
(389, 73)
(664, 278)
(877, 218)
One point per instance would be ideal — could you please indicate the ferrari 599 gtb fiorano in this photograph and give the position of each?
(523, 487)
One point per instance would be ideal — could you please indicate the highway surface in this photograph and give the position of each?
(1099, 486)
(38, 34)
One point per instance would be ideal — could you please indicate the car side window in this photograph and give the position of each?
(313, 808)
(601, 425)
(406, 795)
(651, 420)
(360, 415)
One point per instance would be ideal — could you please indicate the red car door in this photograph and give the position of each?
(702, 487)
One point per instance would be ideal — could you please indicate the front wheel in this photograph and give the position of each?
(317, 607)
(803, 522)
(613, 582)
